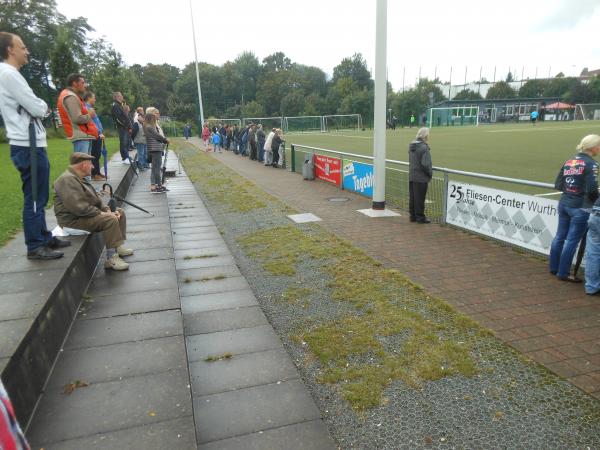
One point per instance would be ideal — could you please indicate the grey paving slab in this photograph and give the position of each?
(114, 330)
(139, 268)
(176, 434)
(244, 411)
(114, 362)
(213, 286)
(104, 407)
(41, 281)
(11, 334)
(133, 283)
(200, 242)
(209, 261)
(3, 363)
(241, 371)
(129, 303)
(311, 435)
(216, 249)
(151, 254)
(224, 319)
(22, 305)
(153, 236)
(192, 234)
(200, 273)
(221, 300)
(147, 220)
(141, 228)
(244, 340)
(192, 224)
(20, 263)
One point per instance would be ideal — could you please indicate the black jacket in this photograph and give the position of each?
(120, 116)
(419, 159)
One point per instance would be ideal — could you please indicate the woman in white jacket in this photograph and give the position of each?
(268, 151)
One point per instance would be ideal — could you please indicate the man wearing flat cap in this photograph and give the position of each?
(78, 205)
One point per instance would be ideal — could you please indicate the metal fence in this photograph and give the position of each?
(396, 180)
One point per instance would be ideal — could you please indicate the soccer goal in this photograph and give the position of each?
(216, 122)
(342, 122)
(454, 116)
(267, 122)
(587, 111)
(300, 124)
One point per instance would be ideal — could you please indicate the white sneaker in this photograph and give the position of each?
(116, 263)
(122, 251)
(125, 161)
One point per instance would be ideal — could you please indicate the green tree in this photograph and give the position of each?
(467, 94)
(501, 90)
(160, 82)
(533, 88)
(356, 69)
(62, 62)
(292, 104)
(253, 109)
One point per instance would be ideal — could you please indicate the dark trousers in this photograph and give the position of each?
(275, 156)
(123, 143)
(97, 154)
(417, 192)
(253, 150)
(34, 222)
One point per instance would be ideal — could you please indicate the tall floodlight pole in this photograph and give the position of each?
(197, 71)
(380, 106)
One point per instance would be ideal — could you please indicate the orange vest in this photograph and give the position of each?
(88, 129)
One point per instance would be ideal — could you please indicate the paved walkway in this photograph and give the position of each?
(552, 322)
(142, 339)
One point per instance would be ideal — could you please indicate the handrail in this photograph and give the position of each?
(441, 169)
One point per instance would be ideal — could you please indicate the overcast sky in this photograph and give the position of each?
(550, 35)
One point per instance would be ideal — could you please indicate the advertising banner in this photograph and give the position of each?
(328, 169)
(358, 177)
(523, 220)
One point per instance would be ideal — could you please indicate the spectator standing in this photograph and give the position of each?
(78, 205)
(90, 101)
(216, 140)
(76, 119)
(11, 435)
(419, 175)
(260, 137)
(154, 142)
(139, 140)
(578, 181)
(252, 143)
(187, 131)
(206, 137)
(268, 157)
(277, 141)
(22, 112)
(592, 247)
(123, 124)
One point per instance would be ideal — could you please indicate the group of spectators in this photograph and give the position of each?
(250, 141)
(77, 203)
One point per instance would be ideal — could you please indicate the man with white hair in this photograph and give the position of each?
(419, 175)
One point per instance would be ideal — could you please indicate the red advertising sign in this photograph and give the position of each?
(328, 169)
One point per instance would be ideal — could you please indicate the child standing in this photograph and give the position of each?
(216, 140)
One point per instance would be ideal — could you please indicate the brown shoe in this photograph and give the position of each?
(98, 178)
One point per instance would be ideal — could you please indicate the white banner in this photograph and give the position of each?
(523, 220)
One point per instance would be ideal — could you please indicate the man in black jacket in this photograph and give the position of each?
(123, 125)
(419, 175)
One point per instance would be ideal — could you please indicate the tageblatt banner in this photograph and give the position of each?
(328, 169)
(358, 177)
(524, 220)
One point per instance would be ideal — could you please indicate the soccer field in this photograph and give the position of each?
(509, 150)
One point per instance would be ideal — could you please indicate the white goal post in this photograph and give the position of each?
(587, 111)
(454, 116)
(299, 124)
(211, 122)
(336, 122)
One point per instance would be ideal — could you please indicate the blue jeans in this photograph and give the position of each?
(572, 223)
(123, 143)
(84, 146)
(34, 223)
(592, 256)
(142, 155)
(261, 150)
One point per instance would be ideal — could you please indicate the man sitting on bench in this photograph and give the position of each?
(78, 205)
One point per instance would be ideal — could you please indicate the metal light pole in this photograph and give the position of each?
(380, 107)
(197, 72)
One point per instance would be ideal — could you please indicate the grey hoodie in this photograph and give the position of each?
(419, 159)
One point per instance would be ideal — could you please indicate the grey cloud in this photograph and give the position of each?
(568, 14)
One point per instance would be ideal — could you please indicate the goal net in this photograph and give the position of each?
(267, 122)
(587, 111)
(301, 124)
(212, 122)
(342, 122)
(454, 116)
